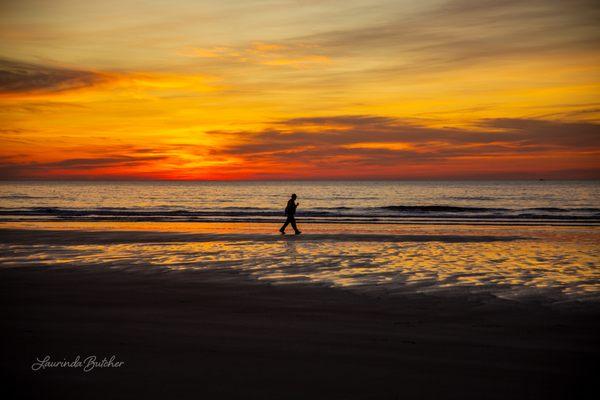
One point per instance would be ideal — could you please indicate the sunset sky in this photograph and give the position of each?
(305, 89)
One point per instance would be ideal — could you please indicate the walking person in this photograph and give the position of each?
(290, 212)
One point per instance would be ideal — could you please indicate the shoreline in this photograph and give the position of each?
(66, 237)
(336, 221)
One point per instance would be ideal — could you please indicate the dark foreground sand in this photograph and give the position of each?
(212, 335)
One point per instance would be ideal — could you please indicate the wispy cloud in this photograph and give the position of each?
(344, 143)
(18, 77)
(272, 54)
(344, 146)
(352, 129)
(460, 33)
(24, 79)
(72, 166)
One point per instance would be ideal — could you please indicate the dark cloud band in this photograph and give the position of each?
(18, 77)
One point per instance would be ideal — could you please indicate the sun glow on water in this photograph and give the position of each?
(546, 265)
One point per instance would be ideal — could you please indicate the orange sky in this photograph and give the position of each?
(299, 89)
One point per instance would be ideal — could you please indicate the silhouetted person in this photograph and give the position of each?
(290, 211)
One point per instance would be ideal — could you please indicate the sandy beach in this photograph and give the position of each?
(300, 200)
(224, 333)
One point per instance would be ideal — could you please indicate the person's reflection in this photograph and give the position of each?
(291, 249)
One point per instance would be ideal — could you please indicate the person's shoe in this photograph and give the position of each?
(298, 232)
(282, 232)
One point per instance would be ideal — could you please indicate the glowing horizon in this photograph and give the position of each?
(236, 90)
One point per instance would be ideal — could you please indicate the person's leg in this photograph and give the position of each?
(293, 222)
(285, 224)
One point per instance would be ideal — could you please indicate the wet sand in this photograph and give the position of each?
(78, 237)
(220, 334)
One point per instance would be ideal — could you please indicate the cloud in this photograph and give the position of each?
(354, 142)
(296, 55)
(86, 163)
(462, 33)
(32, 81)
(341, 121)
(12, 131)
(73, 166)
(532, 131)
(352, 129)
(346, 146)
(18, 77)
(413, 46)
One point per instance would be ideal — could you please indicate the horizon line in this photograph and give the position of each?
(303, 180)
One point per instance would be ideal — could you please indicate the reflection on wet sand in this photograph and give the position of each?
(555, 266)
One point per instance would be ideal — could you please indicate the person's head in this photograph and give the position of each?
(294, 196)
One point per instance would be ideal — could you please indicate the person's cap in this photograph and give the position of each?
(294, 195)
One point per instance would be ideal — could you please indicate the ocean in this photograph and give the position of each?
(390, 202)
